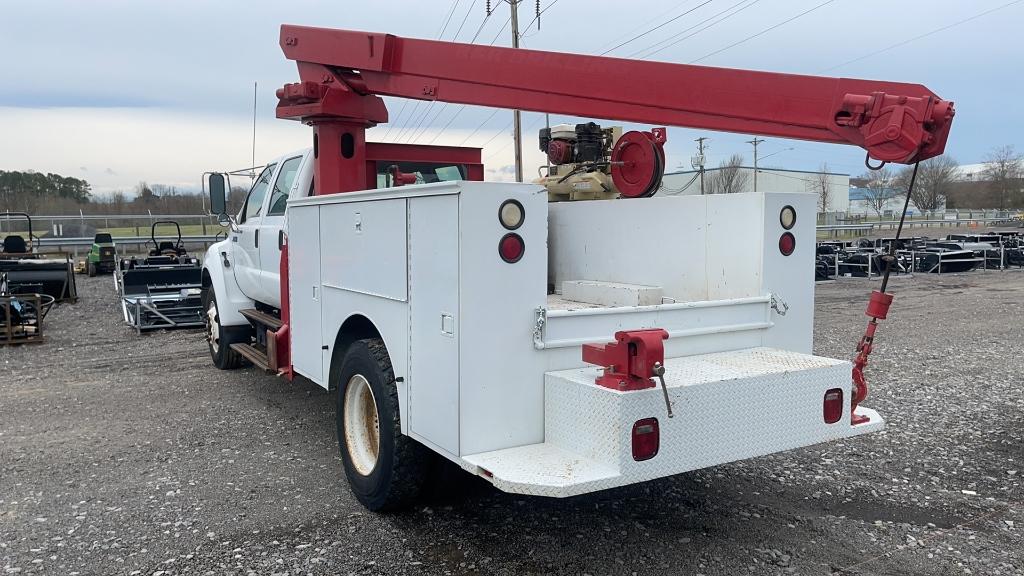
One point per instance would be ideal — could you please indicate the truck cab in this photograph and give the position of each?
(253, 246)
(242, 274)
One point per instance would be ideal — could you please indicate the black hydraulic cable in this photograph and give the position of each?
(891, 257)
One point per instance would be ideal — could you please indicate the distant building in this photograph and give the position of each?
(862, 201)
(768, 180)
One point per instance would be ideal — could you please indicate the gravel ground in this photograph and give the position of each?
(122, 454)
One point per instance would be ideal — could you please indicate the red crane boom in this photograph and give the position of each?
(343, 74)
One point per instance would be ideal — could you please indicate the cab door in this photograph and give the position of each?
(246, 236)
(272, 231)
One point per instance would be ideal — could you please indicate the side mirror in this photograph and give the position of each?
(224, 219)
(218, 195)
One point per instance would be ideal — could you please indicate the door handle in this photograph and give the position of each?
(280, 239)
(257, 240)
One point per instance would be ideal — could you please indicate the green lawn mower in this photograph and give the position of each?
(102, 257)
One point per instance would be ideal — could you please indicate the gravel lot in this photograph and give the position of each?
(122, 454)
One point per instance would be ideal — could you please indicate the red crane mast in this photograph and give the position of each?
(344, 73)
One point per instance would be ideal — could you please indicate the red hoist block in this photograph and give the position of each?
(878, 306)
(629, 361)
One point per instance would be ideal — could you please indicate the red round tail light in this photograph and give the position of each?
(787, 243)
(511, 248)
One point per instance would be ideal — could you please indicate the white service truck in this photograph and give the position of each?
(428, 308)
(557, 337)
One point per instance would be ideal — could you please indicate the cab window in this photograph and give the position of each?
(426, 172)
(258, 192)
(283, 185)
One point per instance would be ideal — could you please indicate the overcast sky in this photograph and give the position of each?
(120, 91)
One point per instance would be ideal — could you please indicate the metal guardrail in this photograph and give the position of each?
(87, 241)
(63, 243)
(67, 217)
(833, 230)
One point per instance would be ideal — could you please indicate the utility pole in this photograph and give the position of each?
(698, 161)
(755, 142)
(517, 120)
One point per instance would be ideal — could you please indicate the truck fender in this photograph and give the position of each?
(230, 298)
(359, 327)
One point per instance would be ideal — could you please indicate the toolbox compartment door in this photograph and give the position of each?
(434, 320)
(304, 292)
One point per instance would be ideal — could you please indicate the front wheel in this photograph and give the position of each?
(385, 468)
(220, 338)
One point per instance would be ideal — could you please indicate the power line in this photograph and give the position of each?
(486, 120)
(657, 18)
(458, 111)
(426, 124)
(665, 23)
(451, 12)
(677, 38)
(762, 32)
(539, 14)
(480, 28)
(496, 134)
(507, 144)
(926, 34)
(391, 124)
(462, 107)
(447, 124)
(415, 126)
(464, 18)
(413, 129)
(498, 35)
(402, 129)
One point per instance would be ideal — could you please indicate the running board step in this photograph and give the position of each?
(253, 354)
(258, 317)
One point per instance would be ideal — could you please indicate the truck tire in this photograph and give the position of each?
(90, 269)
(385, 468)
(219, 338)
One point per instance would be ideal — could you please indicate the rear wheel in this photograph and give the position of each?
(90, 268)
(385, 468)
(220, 337)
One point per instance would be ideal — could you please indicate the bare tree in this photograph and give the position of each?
(879, 189)
(1004, 170)
(729, 178)
(821, 186)
(935, 178)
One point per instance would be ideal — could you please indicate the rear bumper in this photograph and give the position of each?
(727, 406)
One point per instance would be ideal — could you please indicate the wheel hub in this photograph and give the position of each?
(212, 327)
(362, 425)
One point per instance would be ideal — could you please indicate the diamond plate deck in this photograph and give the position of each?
(728, 406)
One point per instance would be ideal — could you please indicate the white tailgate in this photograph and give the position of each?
(727, 406)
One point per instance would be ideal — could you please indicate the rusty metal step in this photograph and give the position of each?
(253, 354)
(259, 317)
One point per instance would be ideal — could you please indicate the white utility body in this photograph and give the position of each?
(487, 357)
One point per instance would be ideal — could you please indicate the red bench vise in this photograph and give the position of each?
(629, 361)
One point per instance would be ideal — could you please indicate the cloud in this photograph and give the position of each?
(60, 98)
(198, 60)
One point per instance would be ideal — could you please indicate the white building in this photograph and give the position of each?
(768, 180)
